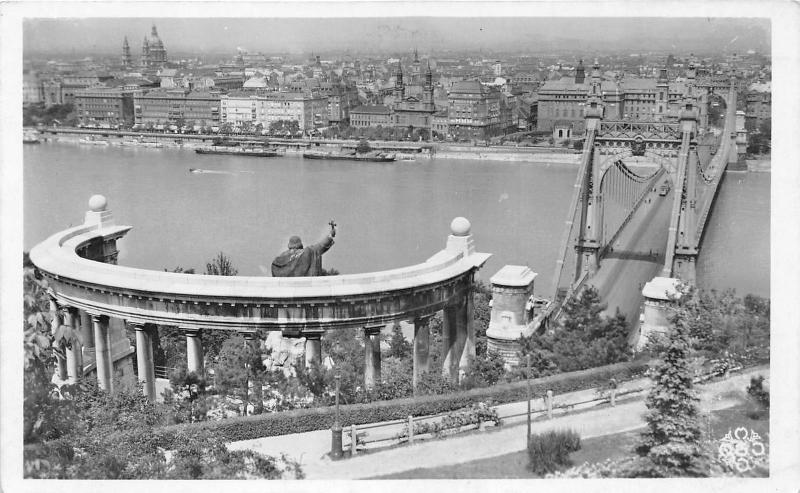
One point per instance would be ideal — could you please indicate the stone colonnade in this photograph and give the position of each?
(99, 342)
(93, 340)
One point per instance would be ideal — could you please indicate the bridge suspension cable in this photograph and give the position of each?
(573, 213)
(623, 190)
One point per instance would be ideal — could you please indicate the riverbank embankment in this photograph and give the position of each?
(404, 150)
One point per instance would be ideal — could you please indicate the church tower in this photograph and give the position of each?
(596, 89)
(127, 60)
(399, 88)
(580, 73)
(415, 69)
(427, 89)
(662, 93)
(145, 52)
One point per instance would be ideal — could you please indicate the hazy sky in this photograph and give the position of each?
(532, 34)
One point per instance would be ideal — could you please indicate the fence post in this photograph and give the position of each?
(613, 392)
(549, 404)
(353, 440)
(410, 429)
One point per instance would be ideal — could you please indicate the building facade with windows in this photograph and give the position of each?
(238, 108)
(106, 106)
(561, 101)
(758, 109)
(177, 106)
(371, 116)
(473, 110)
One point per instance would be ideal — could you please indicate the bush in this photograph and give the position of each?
(550, 450)
(320, 418)
(473, 415)
(757, 393)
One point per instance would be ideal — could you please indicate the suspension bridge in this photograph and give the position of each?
(640, 203)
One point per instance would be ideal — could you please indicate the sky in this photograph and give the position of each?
(388, 34)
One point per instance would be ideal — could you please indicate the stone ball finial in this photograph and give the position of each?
(98, 203)
(460, 226)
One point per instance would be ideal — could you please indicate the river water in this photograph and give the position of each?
(389, 214)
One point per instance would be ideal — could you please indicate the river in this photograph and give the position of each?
(389, 214)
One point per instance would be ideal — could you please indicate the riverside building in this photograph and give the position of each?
(560, 102)
(176, 106)
(106, 106)
(308, 109)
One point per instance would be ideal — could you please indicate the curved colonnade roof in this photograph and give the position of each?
(161, 297)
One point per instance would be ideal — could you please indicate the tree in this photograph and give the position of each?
(221, 266)
(238, 367)
(399, 347)
(671, 443)
(487, 369)
(584, 338)
(118, 436)
(481, 315)
(189, 398)
(363, 147)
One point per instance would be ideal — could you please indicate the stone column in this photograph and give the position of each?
(313, 349)
(102, 345)
(258, 400)
(144, 358)
(449, 359)
(467, 331)
(74, 351)
(194, 351)
(372, 356)
(55, 322)
(421, 348)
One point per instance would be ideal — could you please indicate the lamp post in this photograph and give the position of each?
(336, 429)
(528, 380)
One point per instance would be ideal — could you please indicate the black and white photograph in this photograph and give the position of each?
(400, 241)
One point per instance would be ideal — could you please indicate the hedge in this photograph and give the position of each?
(320, 418)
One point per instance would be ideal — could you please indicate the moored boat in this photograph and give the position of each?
(239, 151)
(375, 157)
(93, 141)
(30, 137)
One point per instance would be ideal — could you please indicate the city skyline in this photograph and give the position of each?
(101, 36)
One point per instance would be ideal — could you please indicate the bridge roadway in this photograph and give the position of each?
(637, 257)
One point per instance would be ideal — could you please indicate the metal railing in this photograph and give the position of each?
(162, 371)
(359, 440)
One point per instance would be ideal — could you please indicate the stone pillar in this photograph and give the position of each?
(467, 331)
(449, 359)
(372, 356)
(144, 358)
(421, 348)
(55, 323)
(658, 295)
(258, 395)
(75, 350)
(194, 351)
(313, 349)
(512, 289)
(102, 345)
(86, 329)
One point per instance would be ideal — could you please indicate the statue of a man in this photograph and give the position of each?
(302, 262)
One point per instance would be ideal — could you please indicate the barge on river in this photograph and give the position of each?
(239, 151)
(376, 157)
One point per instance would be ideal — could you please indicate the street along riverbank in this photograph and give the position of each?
(403, 150)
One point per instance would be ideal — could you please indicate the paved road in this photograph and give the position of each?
(624, 271)
(311, 448)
